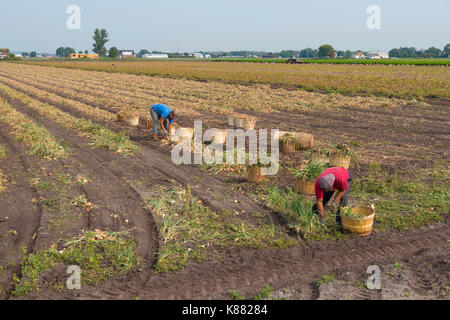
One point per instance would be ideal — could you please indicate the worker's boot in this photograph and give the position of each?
(154, 137)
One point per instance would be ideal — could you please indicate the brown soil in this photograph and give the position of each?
(413, 133)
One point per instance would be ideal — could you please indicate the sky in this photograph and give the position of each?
(226, 25)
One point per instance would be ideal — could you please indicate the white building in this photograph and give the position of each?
(126, 54)
(378, 55)
(198, 55)
(155, 56)
(358, 55)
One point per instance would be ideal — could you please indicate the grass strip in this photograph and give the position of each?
(100, 255)
(39, 141)
(188, 228)
(404, 204)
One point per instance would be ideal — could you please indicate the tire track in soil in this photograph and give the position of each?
(289, 265)
(24, 216)
(428, 273)
(108, 191)
(247, 268)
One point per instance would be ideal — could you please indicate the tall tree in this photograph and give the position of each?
(101, 38)
(60, 52)
(307, 53)
(325, 50)
(68, 51)
(33, 54)
(289, 53)
(432, 52)
(348, 54)
(113, 52)
(143, 51)
(446, 51)
(394, 53)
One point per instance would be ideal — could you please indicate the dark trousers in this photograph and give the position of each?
(344, 201)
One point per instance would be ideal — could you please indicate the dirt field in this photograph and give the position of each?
(49, 202)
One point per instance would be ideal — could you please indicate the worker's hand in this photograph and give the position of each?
(322, 218)
(334, 207)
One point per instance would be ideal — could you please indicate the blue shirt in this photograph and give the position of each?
(163, 111)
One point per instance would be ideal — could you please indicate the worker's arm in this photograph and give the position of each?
(319, 204)
(339, 196)
(161, 124)
(170, 128)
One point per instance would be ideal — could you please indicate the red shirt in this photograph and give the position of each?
(340, 183)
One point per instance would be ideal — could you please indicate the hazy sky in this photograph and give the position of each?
(211, 25)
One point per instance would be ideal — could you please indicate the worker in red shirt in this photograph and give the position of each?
(331, 180)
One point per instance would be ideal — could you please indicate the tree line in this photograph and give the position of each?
(432, 52)
(327, 50)
(101, 37)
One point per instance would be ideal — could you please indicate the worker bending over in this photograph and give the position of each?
(162, 116)
(331, 180)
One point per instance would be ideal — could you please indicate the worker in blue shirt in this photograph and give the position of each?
(162, 116)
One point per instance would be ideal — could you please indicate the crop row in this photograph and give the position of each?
(93, 95)
(100, 136)
(39, 141)
(56, 99)
(117, 90)
(391, 81)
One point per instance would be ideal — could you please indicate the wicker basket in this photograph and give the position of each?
(305, 141)
(360, 226)
(132, 121)
(231, 122)
(219, 136)
(287, 146)
(340, 161)
(305, 187)
(239, 123)
(184, 133)
(249, 124)
(281, 134)
(254, 174)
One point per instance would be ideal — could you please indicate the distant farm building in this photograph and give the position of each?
(83, 55)
(358, 55)
(378, 55)
(198, 55)
(155, 56)
(123, 54)
(3, 55)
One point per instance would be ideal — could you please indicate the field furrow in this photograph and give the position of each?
(100, 136)
(39, 141)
